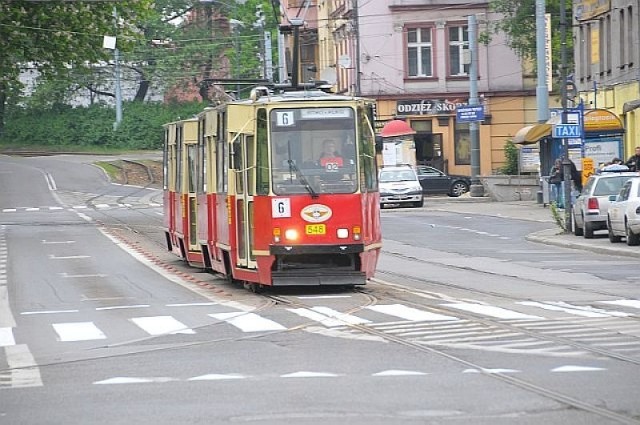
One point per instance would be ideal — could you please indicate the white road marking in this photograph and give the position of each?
(27, 313)
(321, 318)
(343, 317)
(398, 373)
(161, 325)
(9, 210)
(6, 337)
(191, 304)
(248, 322)
(320, 297)
(69, 257)
(78, 331)
(46, 242)
(590, 309)
(483, 370)
(570, 368)
(304, 374)
(32, 209)
(122, 307)
(624, 303)
(409, 313)
(6, 316)
(23, 370)
(133, 380)
(564, 309)
(216, 377)
(55, 208)
(102, 206)
(487, 310)
(71, 276)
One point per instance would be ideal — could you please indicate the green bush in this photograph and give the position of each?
(65, 127)
(511, 159)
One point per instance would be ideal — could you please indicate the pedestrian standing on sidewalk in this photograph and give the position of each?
(556, 177)
(634, 162)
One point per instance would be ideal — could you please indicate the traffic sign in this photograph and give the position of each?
(563, 131)
(470, 113)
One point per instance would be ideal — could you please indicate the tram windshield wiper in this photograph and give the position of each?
(301, 177)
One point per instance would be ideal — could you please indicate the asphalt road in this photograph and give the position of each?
(470, 320)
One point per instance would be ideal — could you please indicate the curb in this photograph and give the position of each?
(552, 237)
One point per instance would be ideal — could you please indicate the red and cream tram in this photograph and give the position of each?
(276, 190)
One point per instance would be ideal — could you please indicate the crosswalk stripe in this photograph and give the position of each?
(573, 311)
(313, 315)
(248, 322)
(487, 310)
(78, 331)
(161, 325)
(6, 337)
(344, 317)
(624, 303)
(409, 313)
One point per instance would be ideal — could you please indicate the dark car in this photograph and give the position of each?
(434, 181)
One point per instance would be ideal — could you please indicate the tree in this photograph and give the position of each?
(519, 24)
(48, 37)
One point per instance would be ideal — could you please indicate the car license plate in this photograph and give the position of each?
(315, 229)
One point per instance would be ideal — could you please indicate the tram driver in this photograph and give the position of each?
(330, 158)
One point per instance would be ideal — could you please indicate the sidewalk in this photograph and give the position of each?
(532, 211)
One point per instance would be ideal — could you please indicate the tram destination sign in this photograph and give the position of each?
(470, 113)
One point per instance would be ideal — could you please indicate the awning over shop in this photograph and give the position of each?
(396, 128)
(532, 134)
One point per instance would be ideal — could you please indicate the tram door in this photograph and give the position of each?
(191, 174)
(244, 167)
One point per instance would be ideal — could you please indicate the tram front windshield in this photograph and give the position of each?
(313, 150)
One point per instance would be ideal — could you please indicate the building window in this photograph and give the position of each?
(458, 48)
(419, 52)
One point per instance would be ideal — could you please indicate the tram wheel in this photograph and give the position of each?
(256, 288)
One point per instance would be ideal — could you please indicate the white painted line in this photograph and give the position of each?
(32, 209)
(399, 373)
(216, 377)
(248, 322)
(483, 370)
(591, 309)
(23, 368)
(624, 303)
(345, 318)
(46, 242)
(487, 310)
(55, 208)
(191, 304)
(161, 325)
(570, 368)
(65, 275)
(103, 206)
(6, 337)
(78, 331)
(27, 313)
(409, 313)
(124, 380)
(122, 307)
(563, 309)
(321, 318)
(304, 374)
(79, 207)
(69, 257)
(9, 210)
(6, 316)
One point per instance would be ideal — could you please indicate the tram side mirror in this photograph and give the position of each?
(378, 144)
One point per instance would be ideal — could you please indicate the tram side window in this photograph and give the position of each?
(262, 154)
(201, 170)
(192, 167)
(165, 161)
(179, 147)
(221, 154)
(238, 162)
(368, 177)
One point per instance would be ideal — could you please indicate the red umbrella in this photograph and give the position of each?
(396, 128)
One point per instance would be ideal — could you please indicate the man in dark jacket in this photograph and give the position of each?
(634, 162)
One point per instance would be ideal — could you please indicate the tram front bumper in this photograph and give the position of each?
(317, 265)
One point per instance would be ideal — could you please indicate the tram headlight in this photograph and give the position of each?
(342, 233)
(291, 234)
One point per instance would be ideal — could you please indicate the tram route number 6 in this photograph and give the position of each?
(285, 118)
(280, 207)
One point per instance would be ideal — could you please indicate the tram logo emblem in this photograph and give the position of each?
(316, 213)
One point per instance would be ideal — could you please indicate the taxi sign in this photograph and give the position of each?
(563, 131)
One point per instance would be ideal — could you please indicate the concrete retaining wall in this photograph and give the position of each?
(511, 188)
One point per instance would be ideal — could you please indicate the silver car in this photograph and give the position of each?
(624, 213)
(590, 208)
(399, 185)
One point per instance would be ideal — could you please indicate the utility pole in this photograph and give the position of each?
(566, 162)
(356, 32)
(542, 91)
(476, 189)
